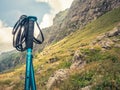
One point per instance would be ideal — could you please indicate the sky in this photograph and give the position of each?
(11, 10)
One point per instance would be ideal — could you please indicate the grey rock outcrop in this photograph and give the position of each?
(106, 43)
(117, 45)
(114, 32)
(52, 60)
(57, 78)
(78, 60)
(82, 12)
(105, 40)
(86, 88)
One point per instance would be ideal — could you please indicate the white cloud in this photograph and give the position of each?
(47, 20)
(5, 33)
(5, 37)
(56, 5)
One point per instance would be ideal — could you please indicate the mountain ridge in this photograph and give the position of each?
(76, 17)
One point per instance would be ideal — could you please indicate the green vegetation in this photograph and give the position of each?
(8, 60)
(77, 81)
(64, 64)
(104, 75)
(99, 55)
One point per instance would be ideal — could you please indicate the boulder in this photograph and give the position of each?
(117, 45)
(114, 32)
(99, 38)
(52, 60)
(86, 88)
(115, 40)
(106, 43)
(57, 78)
(78, 60)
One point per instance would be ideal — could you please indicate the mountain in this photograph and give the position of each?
(11, 59)
(87, 58)
(51, 33)
(84, 11)
(80, 13)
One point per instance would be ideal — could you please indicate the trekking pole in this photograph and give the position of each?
(23, 38)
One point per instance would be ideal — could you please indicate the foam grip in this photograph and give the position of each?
(30, 32)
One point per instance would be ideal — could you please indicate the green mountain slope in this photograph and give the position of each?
(5, 60)
(101, 67)
(11, 59)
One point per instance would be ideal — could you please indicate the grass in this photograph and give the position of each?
(102, 67)
(77, 81)
(110, 76)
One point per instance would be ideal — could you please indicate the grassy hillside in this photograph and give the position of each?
(102, 70)
(11, 59)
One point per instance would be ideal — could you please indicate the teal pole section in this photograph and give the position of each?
(28, 68)
(33, 83)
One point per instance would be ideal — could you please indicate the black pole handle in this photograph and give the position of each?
(30, 31)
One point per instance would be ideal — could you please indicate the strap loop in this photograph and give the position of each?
(20, 31)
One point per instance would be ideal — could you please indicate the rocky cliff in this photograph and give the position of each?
(82, 12)
(76, 17)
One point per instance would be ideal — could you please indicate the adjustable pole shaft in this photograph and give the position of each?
(33, 83)
(28, 69)
(30, 78)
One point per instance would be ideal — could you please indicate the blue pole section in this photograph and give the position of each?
(33, 83)
(28, 68)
